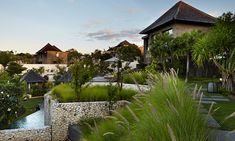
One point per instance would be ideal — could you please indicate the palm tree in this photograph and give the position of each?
(183, 47)
(161, 48)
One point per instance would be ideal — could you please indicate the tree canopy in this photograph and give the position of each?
(14, 68)
(219, 46)
(161, 48)
(128, 53)
(73, 56)
(5, 58)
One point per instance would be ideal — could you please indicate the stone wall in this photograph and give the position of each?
(61, 115)
(39, 134)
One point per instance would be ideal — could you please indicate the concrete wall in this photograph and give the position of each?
(39, 134)
(54, 56)
(180, 28)
(51, 57)
(61, 115)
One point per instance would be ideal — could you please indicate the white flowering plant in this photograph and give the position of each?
(10, 95)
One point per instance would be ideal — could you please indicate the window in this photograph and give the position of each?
(57, 54)
(169, 31)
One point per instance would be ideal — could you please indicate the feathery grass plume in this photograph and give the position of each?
(230, 116)
(132, 113)
(171, 133)
(110, 117)
(167, 113)
(200, 101)
(108, 133)
(210, 109)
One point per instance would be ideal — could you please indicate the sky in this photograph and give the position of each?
(85, 25)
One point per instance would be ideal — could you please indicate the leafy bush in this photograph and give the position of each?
(82, 71)
(38, 90)
(168, 113)
(10, 102)
(65, 93)
(139, 77)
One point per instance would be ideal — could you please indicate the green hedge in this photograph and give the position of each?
(139, 77)
(65, 93)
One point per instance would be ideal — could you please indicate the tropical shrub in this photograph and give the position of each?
(135, 77)
(10, 95)
(38, 90)
(218, 46)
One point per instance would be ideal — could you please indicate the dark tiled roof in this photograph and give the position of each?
(123, 43)
(181, 12)
(33, 77)
(67, 77)
(49, 47)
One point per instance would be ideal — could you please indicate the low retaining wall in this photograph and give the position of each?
(39, 134)
(61, 115)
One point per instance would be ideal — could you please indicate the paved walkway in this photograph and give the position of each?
(126, 86)
(213, 99)
(220, 135)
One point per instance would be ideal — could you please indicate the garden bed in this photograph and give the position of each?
(65, 93)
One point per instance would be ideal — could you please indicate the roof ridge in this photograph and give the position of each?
(181, 11)
(47, 46)
(194, 8)
(178, 9)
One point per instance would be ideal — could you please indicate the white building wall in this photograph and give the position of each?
(49, 69)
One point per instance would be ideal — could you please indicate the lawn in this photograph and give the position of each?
(225, 109)
(30, 106)
(65, 93)
(202, 81)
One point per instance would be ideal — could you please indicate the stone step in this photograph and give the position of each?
(215, 99)
(203, 110)
(211, 121)
(208, 102)
(221, 135)
(217, 96)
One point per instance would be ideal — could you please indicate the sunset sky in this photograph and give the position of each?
(86, 25)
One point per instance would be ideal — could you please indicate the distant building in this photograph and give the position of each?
(49, 69)
(124, 43)
(114, 58)
(177, 20)
(50, 54)
(32, 77)
(141, 50)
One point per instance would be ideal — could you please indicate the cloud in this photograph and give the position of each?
(215, 13)
(94, 23)
(108, 34)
